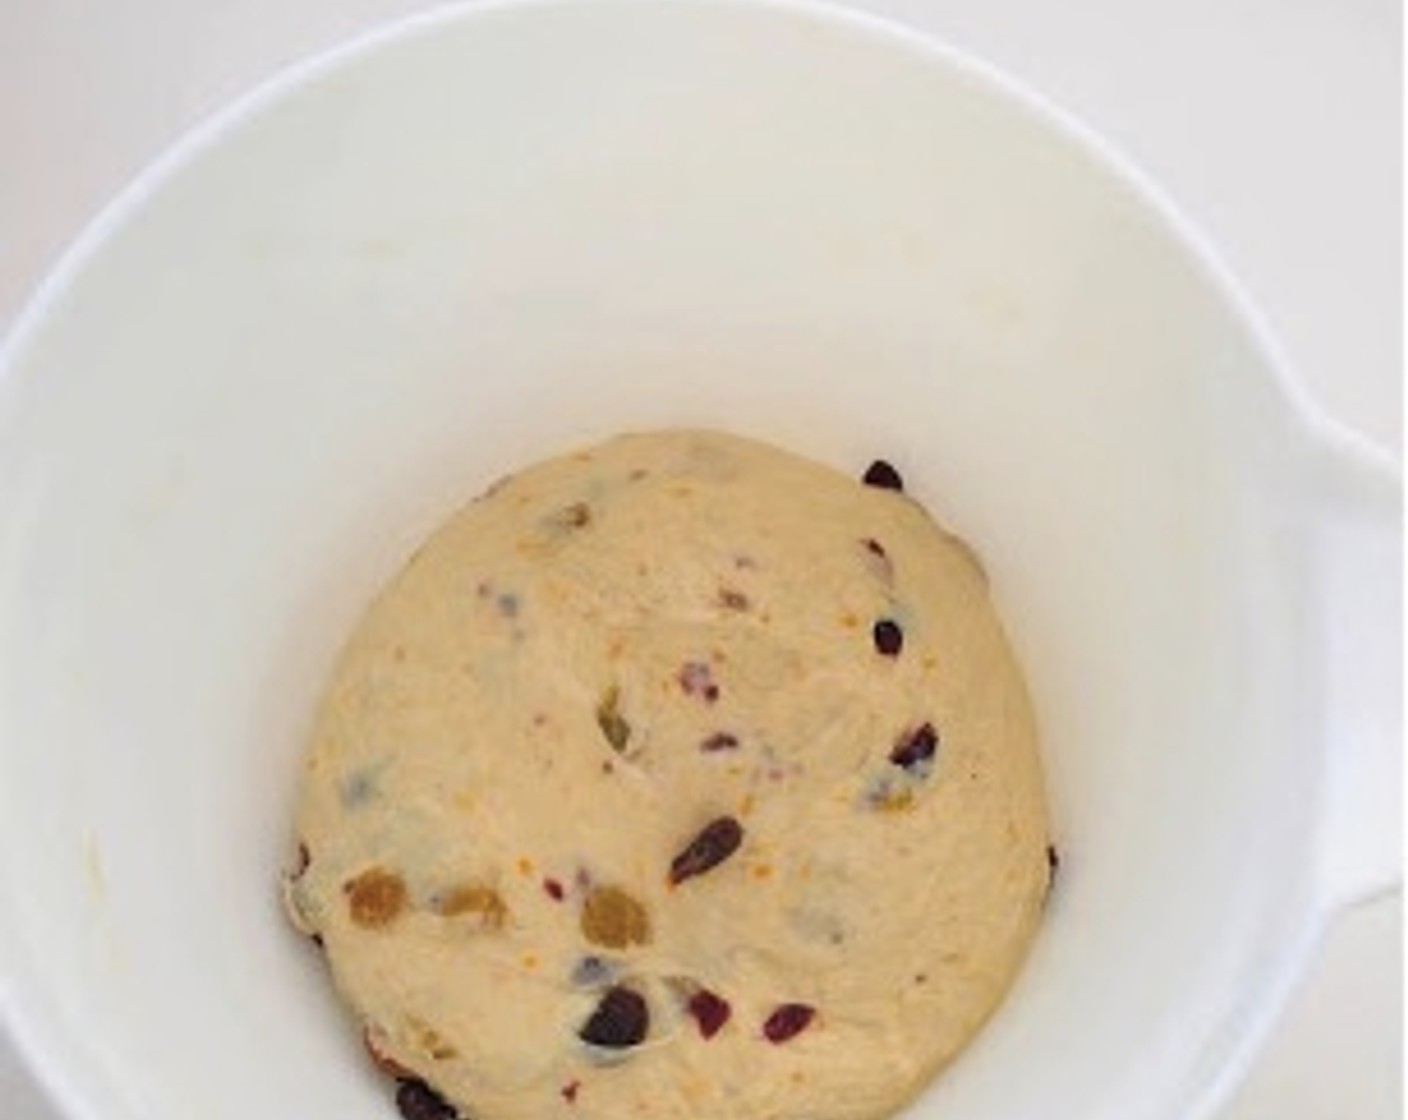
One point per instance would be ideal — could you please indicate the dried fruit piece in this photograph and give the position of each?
(375, 897)
(621, 1019)
(788, 1021)
(474, 900)
(569, 1091)
(554, 890)
(719, 741)
(710, 1011)
(612, 723)
(697, 679)
(883, 476)
(718, 840)
(416, 1100)
(888, 637)
(915, 747)
(612, 918)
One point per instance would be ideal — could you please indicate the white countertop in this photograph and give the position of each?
(1276, 125)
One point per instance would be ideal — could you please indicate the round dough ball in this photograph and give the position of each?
(680, 778)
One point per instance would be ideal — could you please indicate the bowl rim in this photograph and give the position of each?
(28, 1016)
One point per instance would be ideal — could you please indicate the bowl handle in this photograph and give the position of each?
(1358, 490)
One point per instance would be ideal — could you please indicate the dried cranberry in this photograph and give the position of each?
(718, 840)
(888, 637)
(788, 1021)
(554, 889)
(883, 476)
(621, 1019)
(418, 1101)
(915, 747)
(711, 1012)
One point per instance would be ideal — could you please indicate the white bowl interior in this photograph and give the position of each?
(508, 231)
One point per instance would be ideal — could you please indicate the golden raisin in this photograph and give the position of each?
(612, 918)
(375, 897)
(613, 724)
(476, 901)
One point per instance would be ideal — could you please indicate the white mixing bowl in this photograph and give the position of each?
(484, 235)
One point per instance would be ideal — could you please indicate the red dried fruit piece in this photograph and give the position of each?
(620, 1020)
(710, 1011)
(718, 840)
(915, 747)
(788, 1021)
(569, 1091)
(883, 476)
(888, 637)
(554, 889)
(416, 1100)
(697, 679)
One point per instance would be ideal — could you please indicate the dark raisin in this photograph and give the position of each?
(711, 1012)
(888, 637)
(621, 1019)
(788, 1021)
(697, 679)
(876, 548)
(915, 747)
(719, 741)
(418, 1101)
(718, 840)
(554, 889)
(883, 476)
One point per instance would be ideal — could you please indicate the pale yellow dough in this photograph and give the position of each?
(463, 773)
